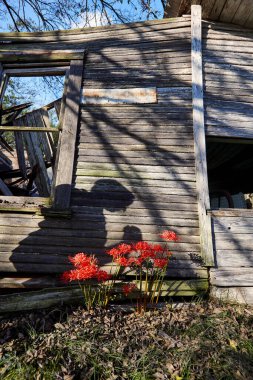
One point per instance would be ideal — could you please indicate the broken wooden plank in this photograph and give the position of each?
(20, 149)
(51, 140)
(119, 96)
(57, 107)
(50, 297)
(36, 117)
(36, 159)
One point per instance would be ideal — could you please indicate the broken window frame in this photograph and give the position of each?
(70, 64)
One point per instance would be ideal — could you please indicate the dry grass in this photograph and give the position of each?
(196, 341)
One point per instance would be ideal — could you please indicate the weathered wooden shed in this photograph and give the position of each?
(145, 107)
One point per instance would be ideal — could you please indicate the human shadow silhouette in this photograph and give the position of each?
(45, 250)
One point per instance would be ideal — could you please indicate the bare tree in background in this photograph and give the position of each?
(32, 15)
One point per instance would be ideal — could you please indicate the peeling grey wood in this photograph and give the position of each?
(65, 165)
(119, 96)
(232, 277)
(20, 148)
(44, 143)
(199, 138)
(239, 294)
(234, 258)
(45, 118)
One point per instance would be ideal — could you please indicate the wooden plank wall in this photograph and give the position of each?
(228, 78)
(228, 75)
(134, 168)
(233, 235)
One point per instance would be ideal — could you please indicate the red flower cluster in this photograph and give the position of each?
(160, 263)
(122, 249)
(86, 267)
(169, 236)
(135, 255)
(128, 288)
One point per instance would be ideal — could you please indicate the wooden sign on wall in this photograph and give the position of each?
(119, 96)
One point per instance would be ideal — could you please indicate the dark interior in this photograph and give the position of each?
(230, 168)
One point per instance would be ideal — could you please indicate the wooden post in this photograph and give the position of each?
(206, 242)
(64, 170)
(1, 80)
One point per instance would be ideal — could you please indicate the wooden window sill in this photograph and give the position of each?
(231, 212)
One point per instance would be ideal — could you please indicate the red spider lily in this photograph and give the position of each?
(80, 274)
(128, 288)
(122, 249)
(135, 261)
(82, 260)
(160, 263)
(169, 235)
(103, 276)
(123, 261)
(158, 248)
(113, 252)
(142, 246)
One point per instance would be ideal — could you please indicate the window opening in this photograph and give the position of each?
(230, 167)
(29, 115)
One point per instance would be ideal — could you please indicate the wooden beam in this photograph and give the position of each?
(64, 169)
(44, 55)
(27, 129)
(24, 201)
(199, 138)
(231, 212)
(69, 294)
(31, 72)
